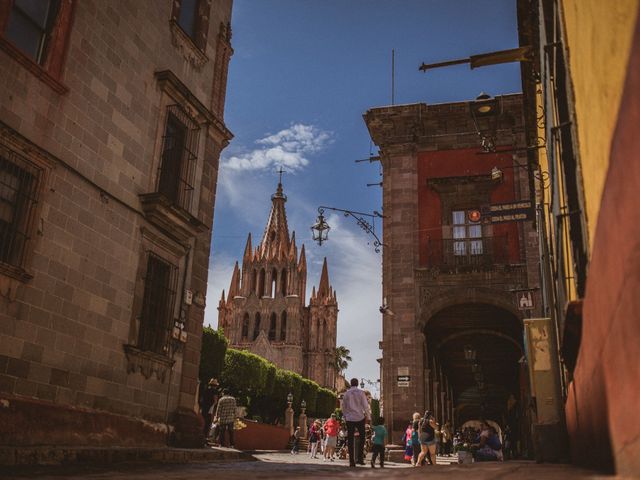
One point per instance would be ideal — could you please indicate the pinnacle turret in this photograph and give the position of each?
(275, 238)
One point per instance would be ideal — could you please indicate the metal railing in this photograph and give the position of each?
(467, 252)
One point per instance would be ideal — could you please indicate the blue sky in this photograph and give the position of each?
(303, 74)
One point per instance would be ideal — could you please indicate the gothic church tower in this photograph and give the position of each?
(264, 311)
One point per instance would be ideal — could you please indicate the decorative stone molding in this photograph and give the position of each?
(183, 43)
(147, 363)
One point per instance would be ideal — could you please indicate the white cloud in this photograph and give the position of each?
(288, 148)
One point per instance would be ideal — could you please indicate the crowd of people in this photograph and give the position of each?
(354, 436)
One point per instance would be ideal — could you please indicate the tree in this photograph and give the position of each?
(214, 348)
(341, 359)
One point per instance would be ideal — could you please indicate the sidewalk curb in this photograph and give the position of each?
(66, 456)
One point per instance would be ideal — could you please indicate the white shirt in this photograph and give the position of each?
(355, 406)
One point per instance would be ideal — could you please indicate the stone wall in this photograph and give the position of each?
(64, 324)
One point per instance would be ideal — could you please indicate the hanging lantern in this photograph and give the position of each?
(320, 230)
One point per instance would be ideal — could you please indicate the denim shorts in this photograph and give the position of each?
(425, 439)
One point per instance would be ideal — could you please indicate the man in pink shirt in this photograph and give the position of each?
(331, 428)
(356, 411)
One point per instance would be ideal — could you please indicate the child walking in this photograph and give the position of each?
(379, 435)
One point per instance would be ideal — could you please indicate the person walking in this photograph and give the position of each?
(427, 438)
(356, 411)
(447, 438)
(314, 439)
(296, 442)
(331, 428)
(226, 416)
(415, 442)
(208, 404)
(377, 447)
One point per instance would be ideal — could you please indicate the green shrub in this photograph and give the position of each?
(263, 388)
(326, 403)
(310, 395)
(375, 410)
(214, 348)
(244, 374)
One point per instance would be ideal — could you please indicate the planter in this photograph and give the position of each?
(260, 436)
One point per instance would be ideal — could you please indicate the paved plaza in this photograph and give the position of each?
(284, 465)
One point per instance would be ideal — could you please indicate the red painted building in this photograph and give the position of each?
(456, 264)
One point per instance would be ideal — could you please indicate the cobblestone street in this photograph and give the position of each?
(284, 465)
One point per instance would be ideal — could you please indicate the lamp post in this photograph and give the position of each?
(288, 414)
(302, 420)
(485, 112)
(320, 229)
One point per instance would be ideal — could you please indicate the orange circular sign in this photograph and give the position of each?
(474, 215)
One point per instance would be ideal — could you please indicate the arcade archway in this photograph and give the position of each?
(475, 357)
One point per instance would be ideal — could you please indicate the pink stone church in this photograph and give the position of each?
(265, 309)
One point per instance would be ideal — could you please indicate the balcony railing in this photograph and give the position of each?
(471, 253)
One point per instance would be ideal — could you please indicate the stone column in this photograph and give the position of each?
(288, 419)
(302, 423)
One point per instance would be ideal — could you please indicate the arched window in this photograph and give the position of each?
(256, 326)
(283, 282)
(283, 327)
(245, 327)
(261, 284)
(274, 282)
(272, 327)
(254, 280)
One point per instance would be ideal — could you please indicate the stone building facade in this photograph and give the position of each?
(454, 274)
(111, 128)
(265, 310)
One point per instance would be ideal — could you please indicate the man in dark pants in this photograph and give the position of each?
(356, 411)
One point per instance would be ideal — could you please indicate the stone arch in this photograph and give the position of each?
(261, 283)
(256, 326)
(254, 281)
(273, 288)
(480, 331)
(456, 296)
(283, 326)
(283, 282)
(245, 326)
(272, 327)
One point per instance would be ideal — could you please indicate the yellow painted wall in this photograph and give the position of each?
(599, 35)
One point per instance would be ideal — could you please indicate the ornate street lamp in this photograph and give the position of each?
(303, 405)
(290, 398)
(320, 229)
(484, 111)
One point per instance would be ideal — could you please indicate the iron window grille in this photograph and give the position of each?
(156, 319)
(30, 26)
(19, 185)
(179, 156)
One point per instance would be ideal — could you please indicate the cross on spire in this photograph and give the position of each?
(280, 172)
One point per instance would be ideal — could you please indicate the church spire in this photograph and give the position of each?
(247, 250)
(323, 287)
(235, 282)
(276, 234)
